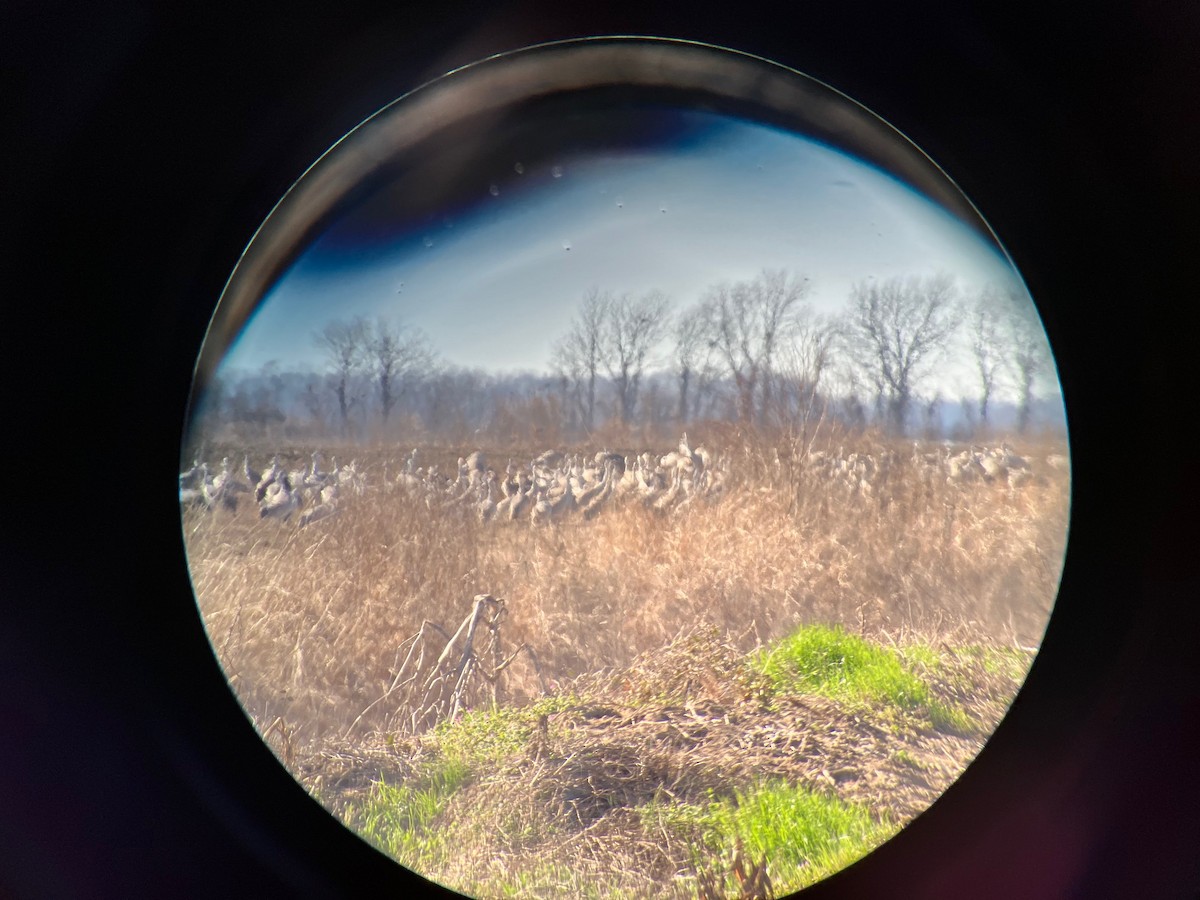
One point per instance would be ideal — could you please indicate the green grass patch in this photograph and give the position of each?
(484, 736)
(399, 818)
(907, 759)
(950, 719)
(805, 836)
(922, 657)
(1008, 662)
(827, 661)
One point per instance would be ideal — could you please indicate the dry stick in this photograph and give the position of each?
(417, 640)
(462, 670)
(494, 626)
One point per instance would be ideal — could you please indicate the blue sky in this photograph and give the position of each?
(495, 282)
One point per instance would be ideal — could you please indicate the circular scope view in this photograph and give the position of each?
(625, 467)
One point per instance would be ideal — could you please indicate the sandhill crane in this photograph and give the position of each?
(215, 496)
(316, 479)
(487, 505)
(192, 478)
(296, 477)
(523, 501)
(267, 479)
(540, 511)
(228, 480)
(653, 486)
(1058, 461)
(196, 495)
(410, 477)
(992, 467)
(564, 504)
(1010, 459)
(629, 478)
(348, 477)
(510, 484)
(651, 483)
(688, 492)
(594, 500)
(317, 513)
(962, 468)
(326, 508)
(209, 493)
(694, 460)
(551, 459)
(1019, 477)
(195, 477)
(618, 462)
(714, 483)
(280, 500)
(461, 491)
(224, 488)
(604, 481)
(673, 460)
(192, 498)
(476, 465)
(667, 499)
(547, 510)
(581, 473)
(252, 477)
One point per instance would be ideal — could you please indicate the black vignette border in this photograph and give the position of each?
(151, 143)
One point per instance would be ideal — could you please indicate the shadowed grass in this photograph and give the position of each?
(805, 836)
(399, 819)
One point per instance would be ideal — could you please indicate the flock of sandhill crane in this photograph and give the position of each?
(555, 485)
(998, 466)
(278, 492)
(991, 465)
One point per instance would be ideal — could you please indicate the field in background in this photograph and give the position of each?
(314, 625)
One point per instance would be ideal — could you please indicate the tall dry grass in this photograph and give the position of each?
(311, 624)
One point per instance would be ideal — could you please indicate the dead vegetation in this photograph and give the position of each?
(587, 793)
(347, 641)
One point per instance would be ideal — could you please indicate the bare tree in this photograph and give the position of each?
(987, 346)
(579, 354)
(803, 362)
(847, 386)
(896, 331)
(1029, 353)
(746, 323)
(693, 354)
(314, 403)
(393, 351)
(344, 344)
(635, 327)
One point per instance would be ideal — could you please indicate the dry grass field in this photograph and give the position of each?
(343, 638)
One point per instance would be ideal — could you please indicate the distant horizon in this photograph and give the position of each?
(1001, 397)
(494, 284)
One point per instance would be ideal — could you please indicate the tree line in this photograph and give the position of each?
(751, 351)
